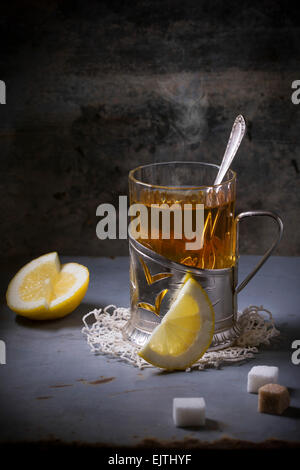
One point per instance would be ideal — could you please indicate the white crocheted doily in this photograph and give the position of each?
(104, 335)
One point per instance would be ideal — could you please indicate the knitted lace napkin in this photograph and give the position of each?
(103, 331)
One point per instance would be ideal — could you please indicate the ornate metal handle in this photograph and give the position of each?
(268, 252)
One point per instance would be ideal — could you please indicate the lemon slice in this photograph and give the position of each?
(185, 332)
(44, 290)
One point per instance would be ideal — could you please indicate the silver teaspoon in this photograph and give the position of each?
(236, 136)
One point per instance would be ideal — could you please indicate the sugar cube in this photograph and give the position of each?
(189, 411)
(261, 375)
(273, 398)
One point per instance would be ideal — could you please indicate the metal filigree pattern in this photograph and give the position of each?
(154, 308)
(156, 277)
(151, 279)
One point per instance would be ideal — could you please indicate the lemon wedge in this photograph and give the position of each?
(45, 290)
(185, 332)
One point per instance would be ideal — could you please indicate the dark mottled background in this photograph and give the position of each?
(96, 88)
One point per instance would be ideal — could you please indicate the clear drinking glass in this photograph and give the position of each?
(191, 183)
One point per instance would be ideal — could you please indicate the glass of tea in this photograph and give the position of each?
(160, 259)
(186, 184)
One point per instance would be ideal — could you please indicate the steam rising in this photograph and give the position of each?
(188, 106)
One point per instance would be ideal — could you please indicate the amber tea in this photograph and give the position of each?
(218, 240)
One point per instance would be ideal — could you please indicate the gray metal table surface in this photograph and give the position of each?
(54, 387)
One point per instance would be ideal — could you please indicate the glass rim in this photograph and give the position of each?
(157, 186)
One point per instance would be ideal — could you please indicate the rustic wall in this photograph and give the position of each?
(96, 88)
